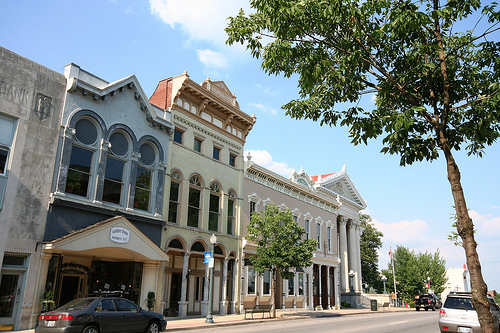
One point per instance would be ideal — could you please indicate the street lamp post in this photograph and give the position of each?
(351, 277)
(210, 319)
(384, 280)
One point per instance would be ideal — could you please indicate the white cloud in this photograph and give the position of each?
(407, 231)
(264, 159)
(263, 108)
(199, 19)
(487, 226)
(212, 59)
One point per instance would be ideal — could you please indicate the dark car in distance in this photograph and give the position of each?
(100, 315)
(427, 301)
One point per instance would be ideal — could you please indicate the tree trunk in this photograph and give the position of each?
(273, 296)
(465, 229)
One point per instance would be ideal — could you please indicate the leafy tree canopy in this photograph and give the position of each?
(281, 246)
(413, 270)
(369, 243)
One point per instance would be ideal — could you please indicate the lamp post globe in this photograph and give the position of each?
(210, 319)
(351, 278)
(384, 280)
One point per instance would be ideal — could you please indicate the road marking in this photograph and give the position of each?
(399, 322)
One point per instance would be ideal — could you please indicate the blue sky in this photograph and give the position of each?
(157, 39)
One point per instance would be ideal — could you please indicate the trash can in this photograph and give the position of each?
(373, 304)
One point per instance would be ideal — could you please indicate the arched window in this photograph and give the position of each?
(176, 244)
(231, 199)
(214, 209)
(173, 207)
(218, 250)
(81, 170)
(197, 247)
(194, 203)
(117, 163)
(144, 179)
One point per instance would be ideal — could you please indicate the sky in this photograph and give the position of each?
(157, 39)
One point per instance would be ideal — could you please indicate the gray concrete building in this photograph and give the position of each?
(31, 102)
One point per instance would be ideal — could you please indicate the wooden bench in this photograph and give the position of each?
(259, 308)
(386, 305)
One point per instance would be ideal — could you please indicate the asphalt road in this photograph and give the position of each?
(395, 322)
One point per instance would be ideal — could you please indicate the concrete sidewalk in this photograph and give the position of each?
(180, 324)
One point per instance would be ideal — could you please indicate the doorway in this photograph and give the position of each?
(72, 287)
(10, 295)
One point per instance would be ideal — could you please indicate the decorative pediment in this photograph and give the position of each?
(339, 184)
(302, 178)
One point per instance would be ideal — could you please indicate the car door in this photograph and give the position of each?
(131, 320)
(106, 315)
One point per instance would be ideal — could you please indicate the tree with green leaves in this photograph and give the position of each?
(280, 245)
(413, 270)
(435, 83)
(369, 243)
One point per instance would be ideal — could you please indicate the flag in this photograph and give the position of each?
(390, 252)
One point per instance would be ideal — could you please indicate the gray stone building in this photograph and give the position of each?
(31, 101)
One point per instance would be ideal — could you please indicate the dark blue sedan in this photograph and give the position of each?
(100, 315)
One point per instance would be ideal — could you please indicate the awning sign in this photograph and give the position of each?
(208, 256)
(119, 235)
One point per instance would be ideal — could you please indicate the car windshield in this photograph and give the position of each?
(463, 303)
(76, 304)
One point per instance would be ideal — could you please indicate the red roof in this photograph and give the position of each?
(315, 178)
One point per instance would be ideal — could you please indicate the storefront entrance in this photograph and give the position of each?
(11, 289)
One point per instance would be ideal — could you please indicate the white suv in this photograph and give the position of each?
(458, 314)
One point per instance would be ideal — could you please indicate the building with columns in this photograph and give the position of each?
(327, 207)
(204, 193)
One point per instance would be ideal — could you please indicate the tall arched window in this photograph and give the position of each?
(81, 172)
(231, 199)
(117, 164)
(144, 179)
(214, 209)
(194, 204)
(173, 207)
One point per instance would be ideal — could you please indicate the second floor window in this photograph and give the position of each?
(197, 145)
(194, 201)
(216, 154)
(318, 235)
(173, 206)
(230, 212)
(178, 136)
(307, 229)
(213, 215)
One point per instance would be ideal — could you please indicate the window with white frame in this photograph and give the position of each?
(253, 207)
(307, 229)
(117, 163)
(231, 201)
(214, 207)
(81, 170)
(251, 280)
(7, 130)
(329, 235)
(145, 176)
(318, 235)
(300, 279)
(173, 207)
(291, 286)
(266, 286)
(194, 202)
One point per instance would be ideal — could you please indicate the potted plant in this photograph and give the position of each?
(48, 301)
(317, 308)
(150, 300)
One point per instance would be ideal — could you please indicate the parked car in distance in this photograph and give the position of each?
(427, 301)
(458, 314)
(100, 315)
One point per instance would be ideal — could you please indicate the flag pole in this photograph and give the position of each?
(394, 277)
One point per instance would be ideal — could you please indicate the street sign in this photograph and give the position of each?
(208, 256)
(426, 286)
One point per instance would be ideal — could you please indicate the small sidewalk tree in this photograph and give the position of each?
(281, 247)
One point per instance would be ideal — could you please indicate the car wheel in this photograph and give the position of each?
(426, 309)
(90, 329)
(153, 327)
(418, 309)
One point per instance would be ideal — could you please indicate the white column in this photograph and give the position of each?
(234, 287)
(358, 258)
(336, 280)
(150, 282)
(223, 302)
(328, 286)
(344, 263)
(183, 302)
(352, 252)
(310, 303)
(320, 286)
